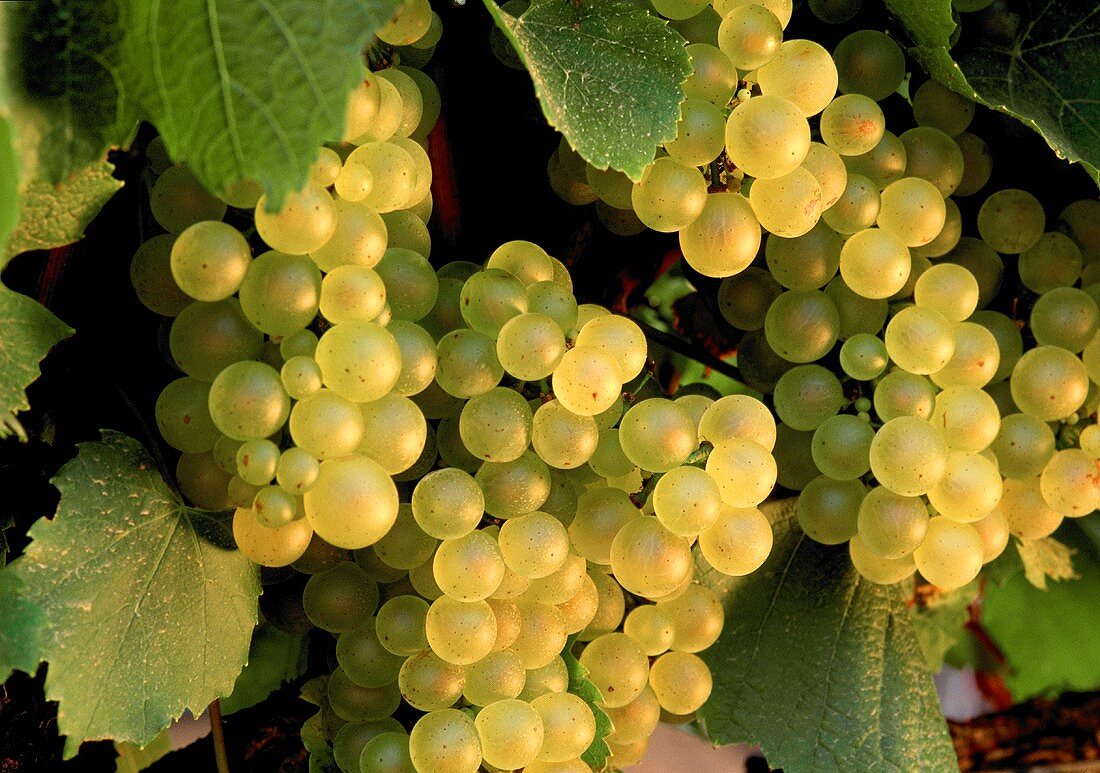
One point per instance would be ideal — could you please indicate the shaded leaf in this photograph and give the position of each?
(939, 623)
(22, 627)
(1046, 557)
(318, 746)
(27, 333)
(274, 657)
(597, 753)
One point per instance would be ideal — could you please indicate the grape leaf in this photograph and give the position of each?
(249, 88)
(133, 759)
(149, 609)
(22, 627)
(820, 667)
(27, 333)
(939, 623)
(609, 76)
(597, 753)
(274, 657)
(1045, 77)
(1045, 634)
(318, 746)
(1046, 558)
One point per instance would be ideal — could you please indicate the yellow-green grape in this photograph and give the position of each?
(445, 741)
(687, 501)
(852, 124)
(802, 325)
(496, 426)
(1026, 511)
(713, 78)
(601, 513)
(447, 503)
(1024, 444)
(787, 206)
(781, 9)
(679, 9)
(1009, 340)
(835, 11)
(875, 263)
(306, 220)
(247, 401)
(460, 632)
(468, 364)
(410, 23)
(610, 607)
(983, 262)
(1090, 440)
(203, 481)
(803, 72)
(151, 277)
(863, 357)
(422, 578)
(648, 559)
(617, 666)
(608, 460)
(951, 554)
(805, 262)
(257, 461)
(724, 238)
(827, 509)
(386, 752)
(975, 361)
(541, 635)
(869, 62)
(183, 416)
(1011, 221)
(904, 394)
(1065, 317)
(551, 678)
(353, 503)
(968, 418)
(297, 471)
(681, 681)
(977, 164)
(568, 726)
(526, 261)
(912, 209)
(940, 107)
(841, 447)
(225, 453)
(657, 434)
(827, 167)
(700, 133)
(418, 357)
(279, 546)
(404, 229)
(875, 568)
(696, 616)
(1049, 383)
(969, 489)
(891, 525)
(514, 488)
(883, 164)
(326, 425)
(429, 683)
(1054, 261)
(993, 529)
(364, 108)
(553, 300)
(920, 340)
(767, 137)
(530, 346)
(794, 457)
(421, 163)
(405, 545)
(355, 703)
(506, 612)
(301, 377)
(738, 416)
(856, 208)
(359, 239)
(744, 470)
(324, 170)
(949, 289)
(739, 541)
(340, 598)
(1069, 483)
(511, 733)
(351, 738)
(490, 298)
(380, 175)
(700, 28)
(469, 568)
(565, 171)
(637, 720)
(1079, 218)
(411, 284)
(563, 439)
(669, 196)
(178, 200)
(280, 293)
(209, 260)
(206, 338)
(806, 396)
(395, 433)
(588, 380)
(302, 343)
(586, 312)
(359, 360)
(497, 676)
(750, 35)
(908, 455)
(650, 629)
(560, 585)
(949, 235)
(352, 292)
(932, 155)
(400, 625)
(363, 658)
(918, 265)
(612, 186)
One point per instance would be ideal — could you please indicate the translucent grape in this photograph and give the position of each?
(767, 136)
(563, 439)
(681, 681)
(206, 338)
(280, 546)
(802, 325)
(587, 380)
(617, 666)
(841, 447)
(1065, 317)
(468, 568)
(516, 487)
(687, 501)
(447, 503)
(977, 164)
(1009, 341)
(648, 559)
(875, 263)
(394, 433)
(353, 503)
(400, 625)
(1070, 484)
(429, 683)
(852, 124)
(178, 200)
(445, 741)
(750, 35)
(247, 401)
(969, 489)
(534, 545)
(541, 635)
(933, 156)
(151, 277)
(739, 541)
(869, 62)
(326, 425)
(700, 133)
(669, 196)
(789, 205)
(920, 340)
(879, 570)
(1049, 383)
(863, 357)
(601, 512)
(951, 555)
(1024, 444)
(1053, 261)
(203, 482)
(359, 360)
(209, 260)
(460, 632)
(975, 361)
(802, 72)
(908, 455)
(1026, 511)
(968, 417)
(806, 262)
(338, 599)
(713, 77)
(411, 284)
(827, 509)
(806, 396)
(468, 363)
(568, 726)
(1011, 221)
(305, 222)
(856, 208)
(183, 416)
(829, 170)
(738, 416)
(890, 525)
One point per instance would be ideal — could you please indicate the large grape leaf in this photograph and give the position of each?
(148, 608)
(27, 333)
(22, 627)
(820, 667)
(1045, 77)
(274, 657)
(609, 76)
(597, 753)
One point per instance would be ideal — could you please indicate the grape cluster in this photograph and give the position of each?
(471, 466)
(918, 426)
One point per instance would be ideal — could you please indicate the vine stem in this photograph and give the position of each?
(217, 735)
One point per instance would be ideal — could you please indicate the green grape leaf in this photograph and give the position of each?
(249, 88)
(1042, 633)
(1045, 77)
(597, 753)
(609, 76)
(318, 746)
(274, 657)
(27, 333)
(9, 184)
(22, 627)
(133, 759)
(820, 667)
(149, 608)
(57, 213)
(1046, 558)
(939, 623)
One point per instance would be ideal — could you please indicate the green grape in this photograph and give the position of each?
(940, 107)
(423, 165)
(400, 625)
(247, 401)
(526, 261)
(993, 529)
(496, 426)
(681, 681)
(301, 377)
(912, 209)
(617, 666)
(977, 164)
(857, 313)
(373, 163)
(395, 434)
(1069, 483)
(203, 482)
(411, 284)
(787, 206)
(242, 495)
(802, 325)
(806, 396)
(678, 9)
(739, 541)
(386, 753)
(324, 170)
(363, 658)
(803, 72)
(280, 293)
(601, 512)
(610, 607)
(724, 238)
(365, 108)
(700, 28)
(650, 629)
(750, 36)
(509, 620)
(468, 363)
(920, 340)
(841, 447)
(767, 136)
(179, 200)
(745, 472)
(669, 196)
(969, 490)
(511, 733)
(1009, 341)
(206, 338)
(852, 125)
(687, 501)
(648, 559)
(1024, 444)
(879, 570)
(932, 155)
(565, 171)
(151, 277)
(353, 503)
(460, 632)
(869, 62)
(875, 263)
(863, 357)
(326, 425)
(359, 360)
(469, 568)
(407, 231)
(445, 741)
(608, 459)
(951, 555)
(408, 24)
(904, 394)
(405, 545)
(1053, 262)
(545, 680)
(561, 438)
(835, 11)
(306, 220)
(352, 292)
(447, 503)
(657, 434)
(738, 416)
(1012, 220)
(355, 703)
(856, 208)
(257, 461)
(1079, 218)
(696, 616)
(700, 133)
(949, 235)
(883, 164)
(534, 545)
(890, 525)
(827, 167)
(918, 265)
(553, 300)
(429, 683)
(418, 357)
(806, 262)
(209, 259)
(588, 380)
(279, 546)
(1090, 440)
(514, 488)
(968, 417)
(908, 455)
(301, 343)
(580, 610)
(340, 598)
(1026, 511)
(612, 186)
(560, 585)
(530, 346)
(360, 238)
(496, 677)
(490, 298)
(1065, 317)
(781, 9)
(949, 289)
(980, 260)
(1090, 357)
(713, 77)
(541, 635)
(827, 509)
(156, 154)
(183, 416)
(1049, 383)
(348, 743)
(569, 726)
(975, 360)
